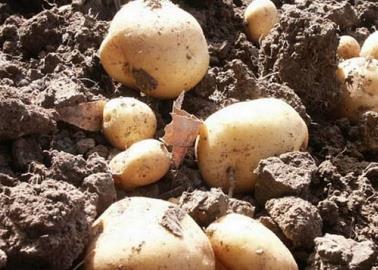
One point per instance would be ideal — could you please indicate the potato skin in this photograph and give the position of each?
(359, 84)
(127, 120)
(260, 17)
(130, 235)
(242, 243)
(161, 51)
(348, 47)
(370, 47)
(235, 138)
(145, 162)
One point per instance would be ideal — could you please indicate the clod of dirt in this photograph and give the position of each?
(301, 52)
(368, 126)
(367, 12)
(289, 174)
(348, 200)
(171, 220)
(26, 150)
(19, 119)
(41, 31)
(335, 252)
(44, 226)
(207, 206)
(298, 219)
(340, 12)
(3, 259)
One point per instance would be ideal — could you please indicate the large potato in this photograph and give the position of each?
(127, 120)
(370, 47)
(242, 243)
(148, 234)
(145, 162)
(260, 17)
(156, 47)
(348, 47)
(233, 140)
(359, 82)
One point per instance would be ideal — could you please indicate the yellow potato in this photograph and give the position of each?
(370, 47)
(148, 234)
(242, 243)
(260, 17)
(145, 162)
(348, 47)
(156, 47)
(359, 84)
(233, 140)
(126, 121)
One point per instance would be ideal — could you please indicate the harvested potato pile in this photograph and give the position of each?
(148, 234)
(370, 47)
(156, 47)
(233, 140)
(348, 47)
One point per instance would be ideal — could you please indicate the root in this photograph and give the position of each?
(231, 180)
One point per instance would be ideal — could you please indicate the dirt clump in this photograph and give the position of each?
(337, 252)
(287, 175)
(300, 51)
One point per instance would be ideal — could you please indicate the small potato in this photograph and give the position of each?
(156, 47)
(260, 17)
(234, 139)
(359, 83)
(242, 243)
(145, 162)
(348, 47)
(370, 47)
(147, 234)
(126, 121)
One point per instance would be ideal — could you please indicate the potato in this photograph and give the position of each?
(156, 47)
(359, 84)
(260, 17)
(242, 243)
(370, 47)
(348, 47)
(148, 234)
(234, 139)
(126, 121)
(145, 162)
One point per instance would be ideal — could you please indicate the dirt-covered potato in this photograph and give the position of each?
(145, 162)
(370, 47)
(348, 47)
(127, 120)
(148, 234)
(260, 17)
(359, 82)
(156, 47)
(242, 243)
(234, 139)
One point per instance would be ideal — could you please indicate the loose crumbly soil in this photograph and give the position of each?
(54, 179)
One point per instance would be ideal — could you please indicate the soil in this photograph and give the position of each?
(54, 178)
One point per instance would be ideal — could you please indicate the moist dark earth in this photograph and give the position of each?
(54, 178)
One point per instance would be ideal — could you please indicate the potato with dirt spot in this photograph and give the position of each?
(260, 17)
(156, 47)
(348, 47)
(370, 47)
(148, 234)
(144, 163)
(127, 120)
(359, 84)
(242, 243)
(234, 139)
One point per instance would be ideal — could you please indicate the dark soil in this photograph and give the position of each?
(54, 179)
